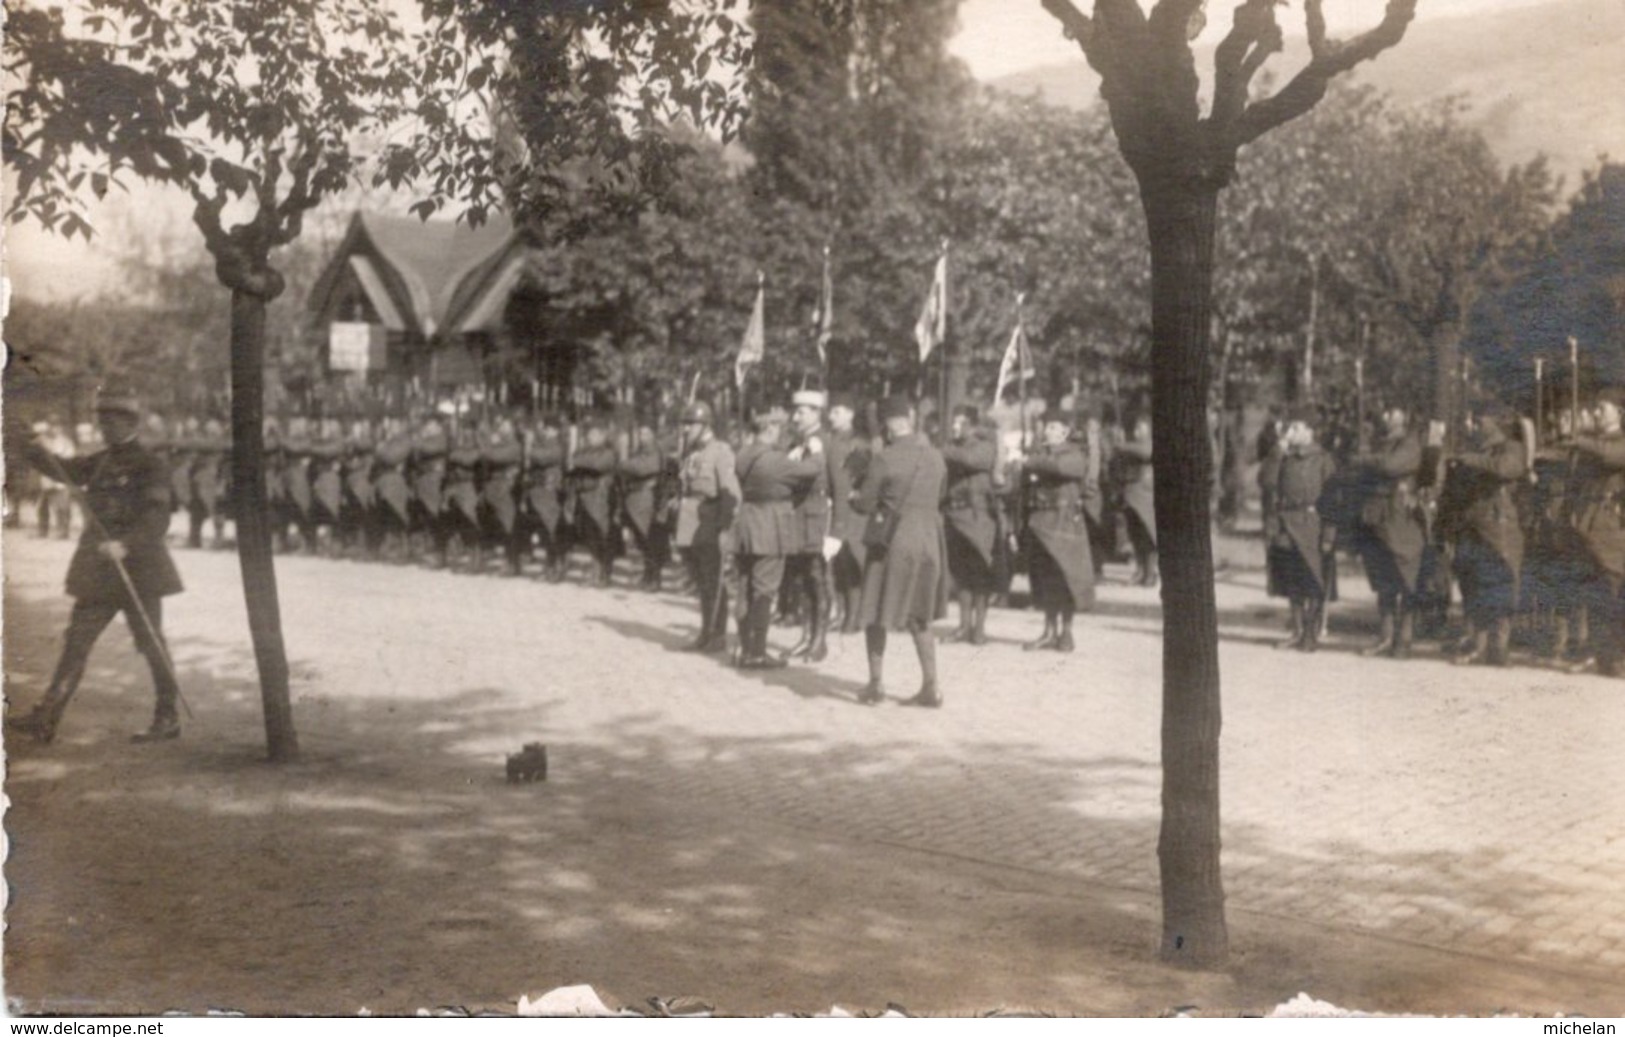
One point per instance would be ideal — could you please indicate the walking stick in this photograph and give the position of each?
(94, 521)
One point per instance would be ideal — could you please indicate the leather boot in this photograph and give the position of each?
(818, 650)
(753, 640)
(1151, 575)
(927, 697)
(1047, 639)
(40, 723)
(1407, 633)
(967, 612)
(1385, 642)
(1296, 640)
(978, 632)
(852, 621)
(1312, 614)
(875, 644)
(1478, 649)
(165, 726)
(1501, 647)
(1063, 642)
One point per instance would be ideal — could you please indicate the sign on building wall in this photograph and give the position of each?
(355, 346)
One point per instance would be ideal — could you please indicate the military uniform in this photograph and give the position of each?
(1132, 458)
(1599, 518)
(709, 495)
(1056, 540)
(1390, 537)
(972, 530)
(1299, 539)
(807, 572)
(592, 478)
(1489, 543)
(501, 457)
(210, 478)
(297, 496)
(358, 507)
(127, 493)
(326, 470)
(846, 459)
(542, 510)
(639, 474)
(766, 531)
(392, 494)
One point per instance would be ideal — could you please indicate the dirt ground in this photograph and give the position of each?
(392, 869)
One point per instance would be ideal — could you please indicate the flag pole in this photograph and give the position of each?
(942, 361)
(1574, 386)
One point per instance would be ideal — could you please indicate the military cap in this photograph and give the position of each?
(809, 398)
(697, 414)
(895, 407)
(773, 416)
(969, 412)
(843, 399)
(113, 397)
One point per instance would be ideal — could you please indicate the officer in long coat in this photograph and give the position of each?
(1132, 458)
(127, 493)
(542, 512)
(1599, 517)
(971, 522)
(1390, 537)
(807, 572)
(591, 481)
(1056, 540)
(1488, 536)
(905, 578)
(765, 530)
(708, 497)
(637, 473)
(1298, 533)
(1097, 459)
(846, 459)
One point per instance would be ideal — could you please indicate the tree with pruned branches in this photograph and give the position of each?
(1182, 158)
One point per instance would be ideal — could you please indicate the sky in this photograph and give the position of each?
(996, 38)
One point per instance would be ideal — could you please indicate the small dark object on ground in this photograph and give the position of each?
(528, 764)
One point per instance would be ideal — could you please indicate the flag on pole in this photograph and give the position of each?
(932, 327)
(754, 346)
(823, 318)
(1017, 362)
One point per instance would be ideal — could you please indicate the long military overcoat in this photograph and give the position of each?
(906, 582)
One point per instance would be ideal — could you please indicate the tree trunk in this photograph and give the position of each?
(253, 529)
(1181, 217)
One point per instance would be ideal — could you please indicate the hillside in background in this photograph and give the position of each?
(1543, 79)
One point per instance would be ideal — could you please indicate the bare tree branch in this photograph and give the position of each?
(1254, 35)
(1315, 23)
(1306, 89)
(1077, 25)
(1175, 19)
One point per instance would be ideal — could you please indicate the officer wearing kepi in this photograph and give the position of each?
(126, 490)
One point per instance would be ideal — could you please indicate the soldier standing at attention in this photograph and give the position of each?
(1133, 457)
(1057, 538)
(806, 568)
(1599, 518)
(591, 474)
(766, 531)
(709, 494)
(639, 473)
(543, 511)
(1489, 539)
(971, 523)
(905, 576)
(127, 495)
(1298, 540)
(847, 457)
(1390, 537)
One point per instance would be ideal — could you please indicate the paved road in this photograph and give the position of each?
(1477, 811)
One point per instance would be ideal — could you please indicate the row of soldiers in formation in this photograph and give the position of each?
(1525, 536)
(1532, 537)
(873, 532)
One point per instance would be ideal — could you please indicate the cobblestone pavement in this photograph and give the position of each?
(1480, 811)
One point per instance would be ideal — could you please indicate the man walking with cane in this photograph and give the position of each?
(121, 564)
